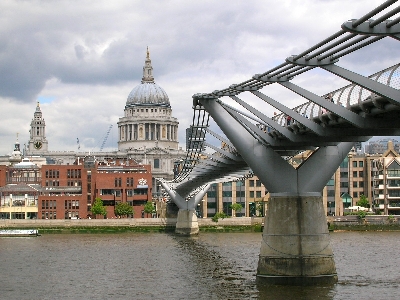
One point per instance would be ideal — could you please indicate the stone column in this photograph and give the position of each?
(186, 223)
(295, 248)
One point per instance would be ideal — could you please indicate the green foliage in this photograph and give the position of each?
(149, 208)
(98, 208)
(123, 209)
(237, 207)
(361, 214)
(363, 202)
(219, 215)
(260, 208)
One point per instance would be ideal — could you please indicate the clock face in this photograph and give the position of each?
(38, 144)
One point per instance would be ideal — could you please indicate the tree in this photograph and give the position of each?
(363, 202)
(98, 208)
(219, 215)
(149, 208)
(236, 207)
(260, 208)
(123, 209)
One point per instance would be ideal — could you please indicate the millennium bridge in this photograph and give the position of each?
(295, 247)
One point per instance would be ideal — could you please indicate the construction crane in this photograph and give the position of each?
(105, 138)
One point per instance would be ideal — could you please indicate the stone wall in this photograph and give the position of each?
(17, 223)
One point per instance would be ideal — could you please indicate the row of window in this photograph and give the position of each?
(49, 204)
(118, 181)
(73, 173)
(239, 194)
(359, 164)
(52, 173)
(52, 183)
(251, 183)
(117, 193)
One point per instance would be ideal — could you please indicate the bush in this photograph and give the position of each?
(361, 214)
(219, 215)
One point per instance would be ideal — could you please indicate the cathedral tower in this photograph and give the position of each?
(37, 142)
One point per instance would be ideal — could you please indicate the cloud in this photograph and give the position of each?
(81, 59)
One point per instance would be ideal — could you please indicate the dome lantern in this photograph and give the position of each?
(148, 93)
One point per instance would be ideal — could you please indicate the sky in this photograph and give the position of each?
(80, 59)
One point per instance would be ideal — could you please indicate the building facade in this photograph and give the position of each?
(148, 133)
(386, 184)
(28, 191)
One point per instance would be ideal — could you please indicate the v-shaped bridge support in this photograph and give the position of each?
(296, 247)
(186, 223)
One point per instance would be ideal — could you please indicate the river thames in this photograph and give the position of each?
(166, 266)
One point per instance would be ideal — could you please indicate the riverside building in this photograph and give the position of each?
(68, 191)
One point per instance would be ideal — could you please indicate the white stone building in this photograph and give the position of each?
(148, 133)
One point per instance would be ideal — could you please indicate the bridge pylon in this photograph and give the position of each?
(186, 223)
(295, 246)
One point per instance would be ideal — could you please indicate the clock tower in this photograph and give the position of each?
(37, 141)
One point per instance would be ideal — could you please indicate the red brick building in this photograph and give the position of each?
(68, 191)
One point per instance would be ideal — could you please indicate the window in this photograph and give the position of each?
(344, 162)
(344, 184)
(258, 182)
(211, 194)
(394, 182)
(156, 163)
(361, 174)
(240, 194)
(344, 174)
(129, 181)
(251, 182)
(355, 194)
(355, 173)
(393, 170)
(361, 164)
(211, 205)
(331, 182)
(251, 194)
(361, 184)
(354, 164)
(354, 184)
(394, 193)
(226, 193)
(258, 194)
(239, 184)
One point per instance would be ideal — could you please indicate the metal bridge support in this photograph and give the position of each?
(186, 223)
(295, 249)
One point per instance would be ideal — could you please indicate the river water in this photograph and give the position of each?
(166, 266)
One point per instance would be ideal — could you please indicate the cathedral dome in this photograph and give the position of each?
(148, 93)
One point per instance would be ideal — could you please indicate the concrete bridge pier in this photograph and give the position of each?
(186, 223)
(295, 247)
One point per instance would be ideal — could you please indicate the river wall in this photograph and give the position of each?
(351, 222)
(124, 222)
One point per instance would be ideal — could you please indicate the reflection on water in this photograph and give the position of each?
(165, 266)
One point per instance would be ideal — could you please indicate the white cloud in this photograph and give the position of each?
(82, 58)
